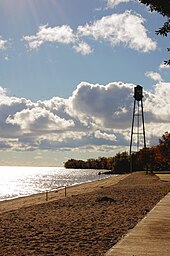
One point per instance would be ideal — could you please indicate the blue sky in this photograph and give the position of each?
(68, 69)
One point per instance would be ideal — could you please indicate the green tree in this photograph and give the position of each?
(162, 7)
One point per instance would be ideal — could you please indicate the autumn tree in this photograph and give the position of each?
(145, 159)
(163, 150)
(151, 159)
(162, 7)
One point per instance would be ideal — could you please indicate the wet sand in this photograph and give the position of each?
(89, 221)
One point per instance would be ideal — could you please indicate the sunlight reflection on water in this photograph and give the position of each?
(23, 181)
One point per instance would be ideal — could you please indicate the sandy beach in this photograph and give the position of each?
(59, 194)
(87, 222)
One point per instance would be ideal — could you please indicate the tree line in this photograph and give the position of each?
(155, 158)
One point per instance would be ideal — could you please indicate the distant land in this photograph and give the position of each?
(155, 158)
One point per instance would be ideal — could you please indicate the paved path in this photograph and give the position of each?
(151, 236)
(164, 177)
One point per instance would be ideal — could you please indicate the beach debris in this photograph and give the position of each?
(105, 199)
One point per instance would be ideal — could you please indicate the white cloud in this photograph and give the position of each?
(6, 58)
(31, 120)
(115, 29)
(63, 34)
(163, 66)
(95, 116)
(154, 75)
(3, 91)
(107, 106)
(105, 136)
(112, 3)
(3, 43)
(83, 48)
(157, 104)
(126, 28)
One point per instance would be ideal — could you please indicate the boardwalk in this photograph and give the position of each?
(150, 237)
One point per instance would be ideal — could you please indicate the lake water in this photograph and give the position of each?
(23, 181)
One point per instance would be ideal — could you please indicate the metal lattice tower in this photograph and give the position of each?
(138, 127)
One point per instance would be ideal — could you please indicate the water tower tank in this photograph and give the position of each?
(138, 93)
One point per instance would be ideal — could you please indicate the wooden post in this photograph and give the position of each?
(65, 191)
(46, 195)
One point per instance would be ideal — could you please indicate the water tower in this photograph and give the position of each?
(138, 127)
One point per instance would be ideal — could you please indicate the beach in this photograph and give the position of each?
(88, 221)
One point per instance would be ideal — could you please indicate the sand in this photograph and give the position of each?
(59, 194)
(89, 221)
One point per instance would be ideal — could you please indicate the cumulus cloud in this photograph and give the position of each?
(153, 75)
(112, 3)
(109, 106)
(94, 116)
(158, 104)
(120, 28)
(115, 29)
(8, 107)
(32, 119)
(63, 34)
(60, 34)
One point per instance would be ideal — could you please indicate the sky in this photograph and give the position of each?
(68, 69)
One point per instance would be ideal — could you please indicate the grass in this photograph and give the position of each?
(162, 172)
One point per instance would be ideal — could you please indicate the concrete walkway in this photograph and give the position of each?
(151, 236)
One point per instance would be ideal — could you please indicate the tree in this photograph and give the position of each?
(164, 149)
(122, 163)
(146, 159)
(162, 7)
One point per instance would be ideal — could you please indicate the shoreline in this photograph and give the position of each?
(23, 201)
(89, 221)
